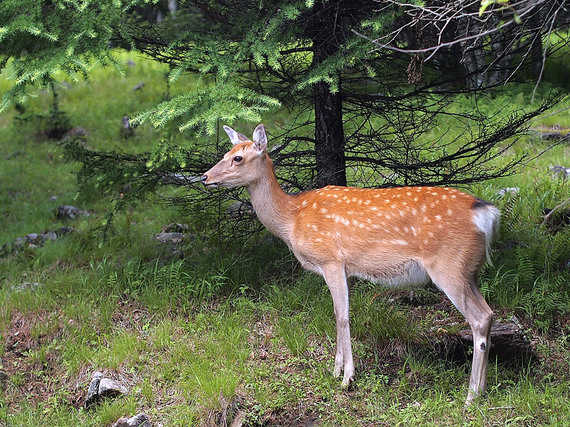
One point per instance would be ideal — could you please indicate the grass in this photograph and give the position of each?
(239, 327)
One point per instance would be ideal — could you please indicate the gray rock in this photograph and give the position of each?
(101, 387)
(140, 420)
(170, 237)
(33, 240)
(508, 190)
(111, 388)
(560, 171)
(49, 235)
(25, 286)
(69, 212)
(93, 392)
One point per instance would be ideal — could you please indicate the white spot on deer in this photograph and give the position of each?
(314, 205)
(449, 211)
(399, 242)
(438, 217)
(305, 203)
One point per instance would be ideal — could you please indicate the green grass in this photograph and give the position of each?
(237, 327)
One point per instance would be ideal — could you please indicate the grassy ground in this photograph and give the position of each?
(241, 329)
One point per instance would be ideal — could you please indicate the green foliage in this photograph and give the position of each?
(222, 101)
(237, 326)
(41, 39)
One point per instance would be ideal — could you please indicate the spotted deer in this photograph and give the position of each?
(397, 236)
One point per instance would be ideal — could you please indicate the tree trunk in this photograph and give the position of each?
(329, 137)
(329, 131)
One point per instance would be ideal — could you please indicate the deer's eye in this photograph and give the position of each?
(238, 159)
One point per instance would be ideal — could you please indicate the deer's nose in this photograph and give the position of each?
(204, 178)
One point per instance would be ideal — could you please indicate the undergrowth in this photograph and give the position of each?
(204, 329)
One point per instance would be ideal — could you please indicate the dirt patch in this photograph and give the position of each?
(28, 361)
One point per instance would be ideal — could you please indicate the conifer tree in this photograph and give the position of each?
(41, 38)
(369, 106)
(364, 106)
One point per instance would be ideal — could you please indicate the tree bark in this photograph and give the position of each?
(329, 131)
(329, 137)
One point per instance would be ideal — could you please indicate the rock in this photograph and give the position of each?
(49, 235)
(33, 240)
(111, 388)
(25, 286)
(63, 231)
(93, 392)
(101, 387)
(140, 420)
(559, 172)
(138, 86)
(508, 190)
(127, 129)
(170, 237)
(69, 212)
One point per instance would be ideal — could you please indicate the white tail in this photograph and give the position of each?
(407, 235)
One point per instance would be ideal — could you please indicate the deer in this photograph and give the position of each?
(393, 236)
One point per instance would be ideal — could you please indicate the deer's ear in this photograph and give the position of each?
(235, 137)
(260, 138)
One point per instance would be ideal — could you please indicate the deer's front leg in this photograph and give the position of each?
(335, 277)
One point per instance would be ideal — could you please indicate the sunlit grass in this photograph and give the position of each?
(240, 326)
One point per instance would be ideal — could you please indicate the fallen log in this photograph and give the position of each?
(509, 342)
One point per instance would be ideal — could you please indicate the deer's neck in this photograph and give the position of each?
(274, 208)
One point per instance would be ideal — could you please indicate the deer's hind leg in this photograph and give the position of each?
(463, 292)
